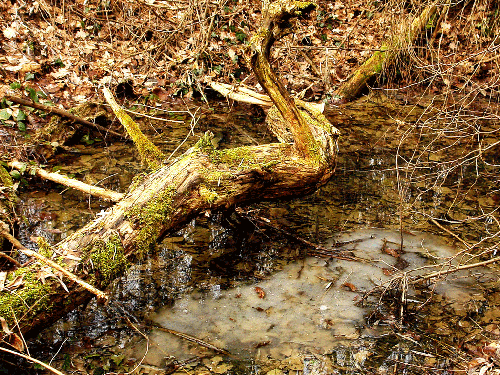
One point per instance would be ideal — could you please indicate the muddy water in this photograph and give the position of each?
(254, 290)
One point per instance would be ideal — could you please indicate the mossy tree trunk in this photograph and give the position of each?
(357, 81)
(202, 179)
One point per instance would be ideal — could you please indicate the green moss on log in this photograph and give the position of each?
(31, 298)
(44, 247)
(238, 158)
(207, 194)
(150, 219)
(108, 259)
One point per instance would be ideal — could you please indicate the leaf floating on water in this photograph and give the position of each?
(15, 341)
(387, 271)
(261, 344)
(351, 287)
(260, 292)
(392, 252)
(12, 338)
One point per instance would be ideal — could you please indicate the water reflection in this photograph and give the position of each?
(208, 271)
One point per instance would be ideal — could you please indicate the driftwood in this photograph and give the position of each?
(69, 182)
(201, 179)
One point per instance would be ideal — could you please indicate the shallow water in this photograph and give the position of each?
(202, 280)
(311, 306)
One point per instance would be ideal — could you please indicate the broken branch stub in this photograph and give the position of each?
(150, 154)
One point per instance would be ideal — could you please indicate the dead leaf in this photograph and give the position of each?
(492, 349)
(15, 284)
(476, 362)
(9, 33)
(16, 342)
(46, 272)
(161, 93)
(392, 252)
(260, 292)
(5, 326)
(351, 287)
(387, 271)
(3, 277)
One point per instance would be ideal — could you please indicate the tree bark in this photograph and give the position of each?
(202, 179)
(357, 81)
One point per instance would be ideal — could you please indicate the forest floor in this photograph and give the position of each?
(163, 53)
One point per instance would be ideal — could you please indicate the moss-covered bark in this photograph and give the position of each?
(274, 25)
(351, 88)
(150, 154)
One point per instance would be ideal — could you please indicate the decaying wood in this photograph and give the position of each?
(202, 179)
(150, 154)
(352, 87)
(59, 130)
(69, 182)
(275, 24)
(243, 94)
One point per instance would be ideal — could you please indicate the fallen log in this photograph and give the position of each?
(202, 179)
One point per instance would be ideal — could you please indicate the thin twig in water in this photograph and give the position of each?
(34, 360)
(153, 117)
(192, 339)
(20, 332)
(433, 221)
(454, 269)
(62, 113)
(10, 259)
(318, 250)
(194, 121)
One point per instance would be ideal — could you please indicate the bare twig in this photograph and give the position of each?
(71, 276)
(436, 223)
(34, 360)
(318, 250)
(192, 339)
(62, 113)
(10, 259)
(454, 269)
